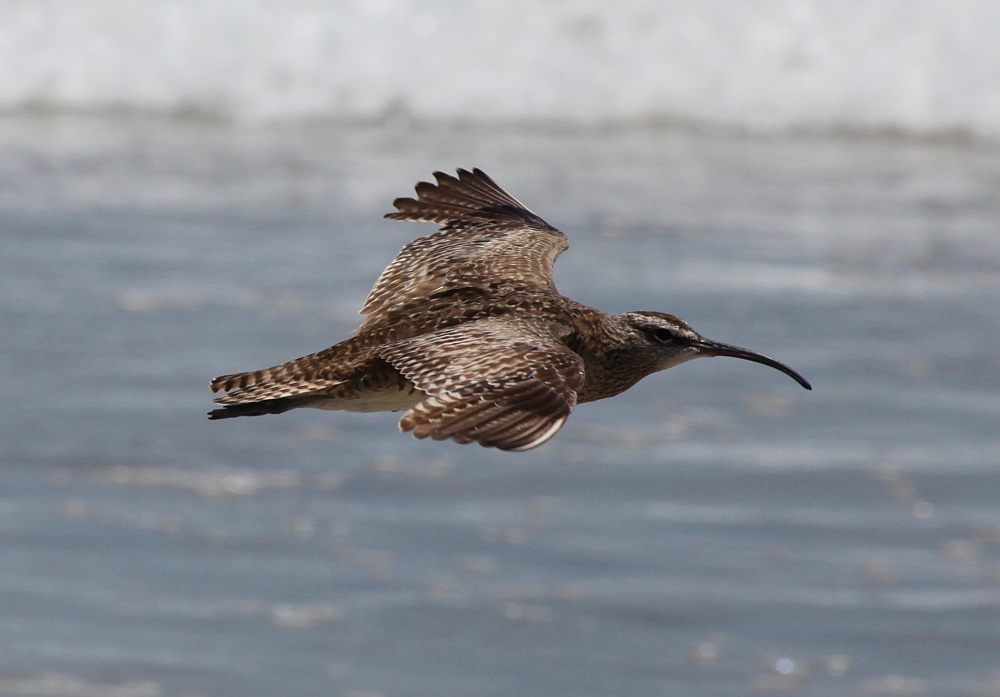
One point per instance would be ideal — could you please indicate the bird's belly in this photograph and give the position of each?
(374, 399)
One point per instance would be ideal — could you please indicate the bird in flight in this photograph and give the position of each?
(466, 333)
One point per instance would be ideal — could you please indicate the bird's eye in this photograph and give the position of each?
(663, 335)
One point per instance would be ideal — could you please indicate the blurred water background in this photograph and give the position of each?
(190, 189)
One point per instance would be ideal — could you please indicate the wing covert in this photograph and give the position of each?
(503, 382)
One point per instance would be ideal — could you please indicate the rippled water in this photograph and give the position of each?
(714, 531)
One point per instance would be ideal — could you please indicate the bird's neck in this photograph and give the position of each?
(611, 363)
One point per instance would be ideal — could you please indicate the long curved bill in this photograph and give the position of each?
(714, 348)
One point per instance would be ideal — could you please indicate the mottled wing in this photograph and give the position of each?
(488, 236)
(507, 383)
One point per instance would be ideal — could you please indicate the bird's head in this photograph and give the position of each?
(670, 341)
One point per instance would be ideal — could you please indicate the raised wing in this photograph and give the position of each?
(487, 237)
(503, 382)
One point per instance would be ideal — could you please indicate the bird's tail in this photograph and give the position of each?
(240, 381)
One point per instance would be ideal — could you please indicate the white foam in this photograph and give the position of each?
(915, 65)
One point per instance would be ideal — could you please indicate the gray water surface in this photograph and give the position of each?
(714, 531)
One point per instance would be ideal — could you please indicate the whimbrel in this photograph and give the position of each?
(466, 332)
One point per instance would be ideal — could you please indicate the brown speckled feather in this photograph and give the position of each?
(487, 236)
(504, 382)
(351, 365)
(353, 360)
(466, 333)
(490, 245)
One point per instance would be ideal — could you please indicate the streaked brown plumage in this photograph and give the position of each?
(466, 331)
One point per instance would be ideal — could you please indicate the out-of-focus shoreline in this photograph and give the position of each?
(908, 66)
